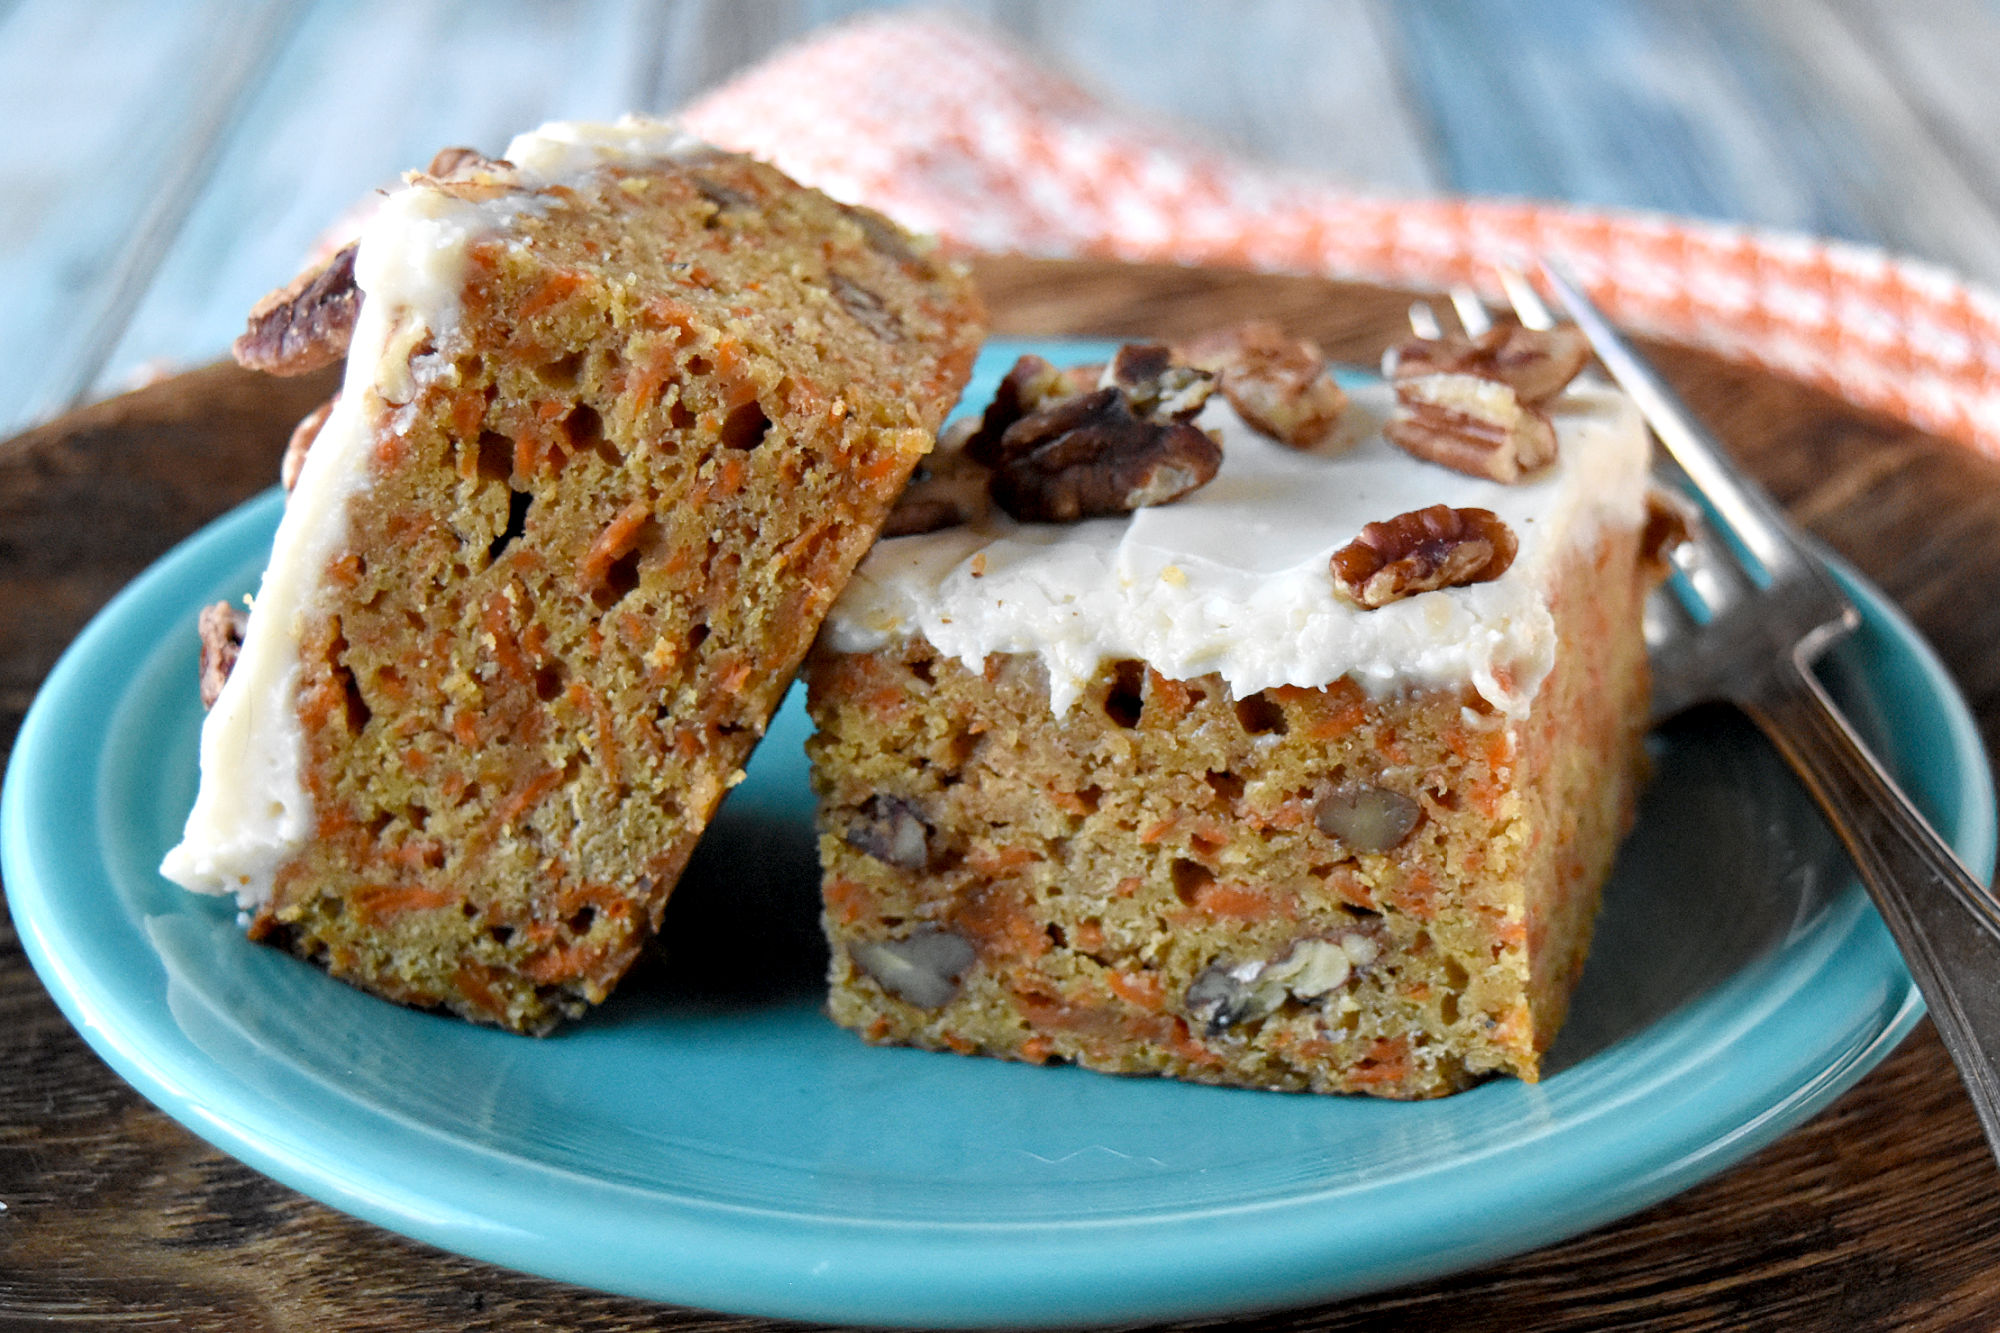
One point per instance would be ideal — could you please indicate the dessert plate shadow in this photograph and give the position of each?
(709, 1138)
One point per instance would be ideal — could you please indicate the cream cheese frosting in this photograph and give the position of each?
(252, 812)
(1235, 579)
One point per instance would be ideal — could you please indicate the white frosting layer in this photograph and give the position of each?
(1235, 579)
(252, 813)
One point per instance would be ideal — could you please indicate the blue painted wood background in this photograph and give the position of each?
(165, 164)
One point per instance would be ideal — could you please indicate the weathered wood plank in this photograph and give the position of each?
(1639, 105)
(122, 105)
(362, 93)
(1851, 118)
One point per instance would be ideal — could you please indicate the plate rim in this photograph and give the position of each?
(1264, 1242)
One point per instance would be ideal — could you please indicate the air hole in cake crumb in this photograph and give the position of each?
(583, 428)
(1261, 715)
(1190, 878)
(379, 824)
(500, 934)
(1455, 975)
(1125, 700)
(471, 366)
(1090, 798)
(496, 456)
(745, 426)
(1205, 844)
(581, 920)
(517, 524)
(925, 670)
(620, 577)
(1320, 871)
(680, 415)
(1226, 785)
(548, 683)
(1448, 1007)
(419, 817)
(471, 794)
(564, 373)
(358, 711)
(1056, 936)
(697, 637)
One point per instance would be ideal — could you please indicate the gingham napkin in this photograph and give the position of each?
(951, 130)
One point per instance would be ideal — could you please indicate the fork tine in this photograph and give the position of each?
(1749, 515)
(1472, 313)
(1424, 321)
(1529, 307)
(1708, 580)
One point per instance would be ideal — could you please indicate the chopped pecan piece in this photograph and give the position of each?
(468, 174)
(305, 324)
(1277, 383)
(1472, 425)
(1089, 456)
(302, 439)
(221, 630)
(867, 308)
(1155, 386)
(891, 831)
(1227, 993)
(1537, 364)
(1366, 818)
(923, 968)
(1421, 551)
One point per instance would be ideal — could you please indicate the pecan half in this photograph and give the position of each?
(1155, 385)
(302, 439)
(1277, 383)
(468, 174)
(1537, 364)
(1421, 551)
(221, 630)
(1472, 425)
(1029, 384)
(305, 324)
(1090, 456)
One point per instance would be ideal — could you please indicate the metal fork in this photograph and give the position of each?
(1747, 612)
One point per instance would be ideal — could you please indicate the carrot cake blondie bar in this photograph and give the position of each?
(620, 414)
(1307, 779)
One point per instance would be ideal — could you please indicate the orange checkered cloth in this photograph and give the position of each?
(950, 130)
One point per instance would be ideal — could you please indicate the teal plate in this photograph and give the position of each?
(709, 1138)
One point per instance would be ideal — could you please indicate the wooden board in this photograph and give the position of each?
(1882, 1212)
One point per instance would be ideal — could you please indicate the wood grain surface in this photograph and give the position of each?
(1883, 1212)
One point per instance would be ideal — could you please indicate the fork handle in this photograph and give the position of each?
(1946, 922)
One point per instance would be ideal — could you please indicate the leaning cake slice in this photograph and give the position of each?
(620, 414)
(1308, 779)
